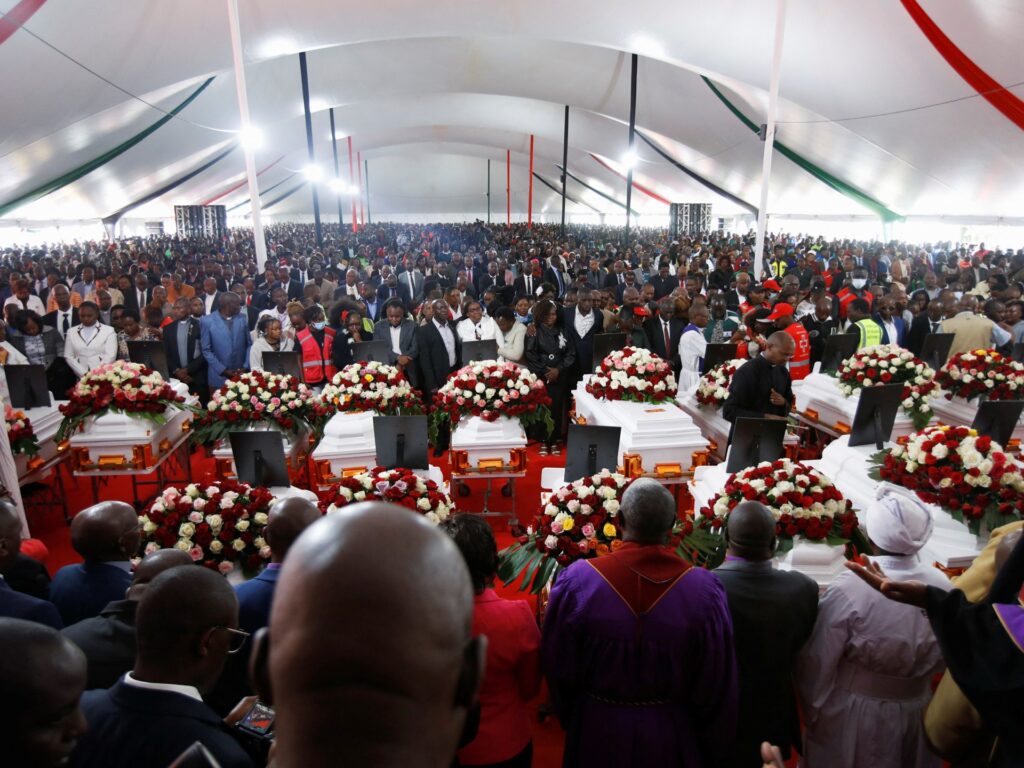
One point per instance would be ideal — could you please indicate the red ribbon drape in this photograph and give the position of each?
(993, 92)
(636, 185)
(18, 15)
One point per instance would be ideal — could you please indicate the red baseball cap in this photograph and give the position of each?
(780, 310)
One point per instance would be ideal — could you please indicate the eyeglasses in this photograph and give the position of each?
(238, 638)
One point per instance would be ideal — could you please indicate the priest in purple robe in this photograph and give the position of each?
(638, 649)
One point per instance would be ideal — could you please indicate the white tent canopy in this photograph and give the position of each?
(429, 92)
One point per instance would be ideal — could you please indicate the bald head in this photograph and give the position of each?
(286, 520)
(42, 676)
(181, 627)
(152, 565)
(648, 512)
(750, 531)
(105, 532)
(396, 691)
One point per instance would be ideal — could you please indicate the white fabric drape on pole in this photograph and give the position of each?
(769, 139)
(9, 476)
(247, 149)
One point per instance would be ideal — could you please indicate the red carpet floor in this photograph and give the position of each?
(47, 524)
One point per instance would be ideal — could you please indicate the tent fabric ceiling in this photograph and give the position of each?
(430, 91)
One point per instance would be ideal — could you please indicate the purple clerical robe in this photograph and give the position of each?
(655, 689)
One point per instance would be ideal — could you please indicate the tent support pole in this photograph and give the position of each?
(632, 139)
(243, 110)
(529, 202)
(366, 175)
(488, 190)
(337, 173)
(359, 168)
(352, 183)
(304, 73)
(508, 187)
(565, 163)
(769, 137)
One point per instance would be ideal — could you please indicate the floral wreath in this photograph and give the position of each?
(635, 375)
(395, 486)
(891, 364)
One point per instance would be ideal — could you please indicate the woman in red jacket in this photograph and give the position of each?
(512, 676)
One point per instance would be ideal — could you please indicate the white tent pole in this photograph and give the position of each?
(769, 139)
(243, 111)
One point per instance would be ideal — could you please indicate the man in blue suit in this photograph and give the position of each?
(894, 327)
(107, 536)
(17, 605)
(286, 519)
(186, 624)
(225, 341)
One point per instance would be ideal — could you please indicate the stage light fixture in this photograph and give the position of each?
(313, 173)
(251, 137)
(630, 159)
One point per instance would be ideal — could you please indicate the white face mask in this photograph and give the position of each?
(859, 282)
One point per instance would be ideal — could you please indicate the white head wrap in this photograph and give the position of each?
(898, 521)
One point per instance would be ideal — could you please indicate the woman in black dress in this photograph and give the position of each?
(549, 355)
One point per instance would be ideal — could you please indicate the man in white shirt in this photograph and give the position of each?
(210, 296)
(23, 299)
(476, 326)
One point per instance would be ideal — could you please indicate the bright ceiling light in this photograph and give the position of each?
(340, 187)
(630, 159)
(277, 46)
(313, 173)
(251, 137)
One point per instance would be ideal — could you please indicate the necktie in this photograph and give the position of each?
(668, 337)
(65, 324)
(529, 285)
(477, 333)
(622, 279)
(412, 291)
(935, 327)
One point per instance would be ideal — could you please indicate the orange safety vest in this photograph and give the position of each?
(316, 362)
(847, 297)
(800, 363)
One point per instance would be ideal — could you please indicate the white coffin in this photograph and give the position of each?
(713, 425)
(45, 422)
(488, 440)
(820, 394)
(707, 483)
(294, 448)
(118, 441)
(960, 413)
(952, 544)
(347, 446)
(659, 433)
(818, 560)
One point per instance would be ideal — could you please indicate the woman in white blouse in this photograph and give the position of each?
(476, 326)
(90, 344)
(511, 336)
(268, 339)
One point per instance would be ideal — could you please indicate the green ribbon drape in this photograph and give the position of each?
(286, 195)
(169, 186)
(816, 171)
(86, 168)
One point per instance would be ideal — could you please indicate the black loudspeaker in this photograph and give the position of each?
(201, 220)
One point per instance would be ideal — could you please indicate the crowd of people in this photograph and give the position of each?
(541, 295)
(373, 638)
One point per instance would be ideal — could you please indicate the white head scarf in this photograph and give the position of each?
(898, 521)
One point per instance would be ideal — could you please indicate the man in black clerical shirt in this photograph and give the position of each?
(761, 389)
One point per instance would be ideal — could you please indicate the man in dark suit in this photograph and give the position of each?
(528, 282)
(185, 625)
(554, 275)
(108, 640)
(183, 348)
(17, 605)
(293, 287)
(439, 347)
(391, 288)
(42, 676)
(140, 294)
(65, 317)
(580, 324)
(396, 324)
(490, 280)
(663, 282)
(628, 281)
(760, 596)
(664, 328)
(106, 535)
(928, 322)
(761, 388)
